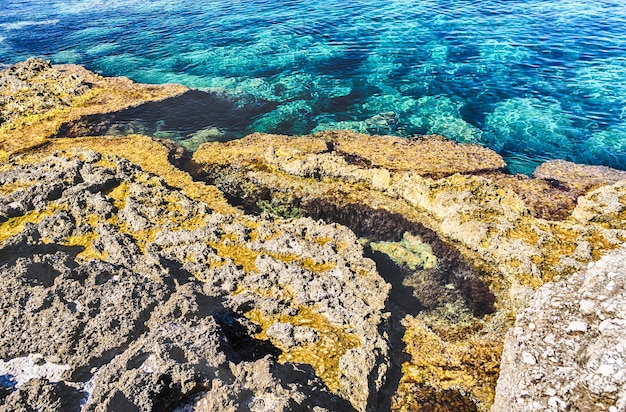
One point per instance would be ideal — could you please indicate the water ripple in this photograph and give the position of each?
(533, 79)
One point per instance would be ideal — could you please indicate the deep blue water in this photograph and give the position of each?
(533, 79)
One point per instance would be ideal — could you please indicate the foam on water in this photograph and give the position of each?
(27, 23)
(533, 79)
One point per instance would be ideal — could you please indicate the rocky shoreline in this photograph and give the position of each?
(336, 271)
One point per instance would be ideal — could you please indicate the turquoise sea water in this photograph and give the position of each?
(533, 79)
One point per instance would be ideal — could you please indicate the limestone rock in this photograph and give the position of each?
(36, 99)
(148, 299)
(32, 87)
(146, 289)
(577, 176)
(496, 237)
(566, 351)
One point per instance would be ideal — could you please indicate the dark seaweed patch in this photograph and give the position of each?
(382, 225)
(177, 118)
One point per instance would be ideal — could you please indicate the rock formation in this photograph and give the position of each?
(495, 237)
(146, 298)
(567, 350)
(256, 273)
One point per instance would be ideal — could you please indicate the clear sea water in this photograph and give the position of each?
(532, 79)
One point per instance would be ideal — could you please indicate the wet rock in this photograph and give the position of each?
(566, 351)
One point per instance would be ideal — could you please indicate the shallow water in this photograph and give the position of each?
(533, 79)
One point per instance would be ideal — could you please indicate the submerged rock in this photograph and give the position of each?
(36, 99)
(129, 285)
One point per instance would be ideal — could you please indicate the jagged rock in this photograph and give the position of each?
(148, 298)
(33, 87)
(37, 99)
(156, 292)
(509, 233)
(530, 230)
(566, 351)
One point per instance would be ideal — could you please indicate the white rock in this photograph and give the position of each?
(587, 306)
(577, 326)
(606, 370)
(528, 358)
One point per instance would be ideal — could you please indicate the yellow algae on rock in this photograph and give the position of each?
(7, 188)
(410, 251)
(518, 232)
(151, 155)
(15, 225)
(468, 366)
(313, 266)
(239, 254)
(330, 343)
(86, 242)
(88, 94)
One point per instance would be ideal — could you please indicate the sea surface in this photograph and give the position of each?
(532, 79)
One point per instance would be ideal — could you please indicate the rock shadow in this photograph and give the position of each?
(239, 334)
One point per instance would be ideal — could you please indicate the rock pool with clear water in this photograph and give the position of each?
(532, 79)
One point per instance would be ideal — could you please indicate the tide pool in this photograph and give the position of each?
(533, 79)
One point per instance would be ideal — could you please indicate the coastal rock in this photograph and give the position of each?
(529, 230)
(31, 87)
(566, 351)
(578, 177)
(147, 298)
(494, 237)
(36, 99)
(131, 285)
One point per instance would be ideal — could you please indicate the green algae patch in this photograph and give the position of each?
(410, 252)
(323, 355)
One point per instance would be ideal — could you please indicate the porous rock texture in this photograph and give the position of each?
(31, 87)
(141, 292)
(37, 98)
(147, 298)
(567, 351)
(493, 237)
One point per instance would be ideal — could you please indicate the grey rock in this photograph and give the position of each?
(567, 350)
(32, 87)
(148, 311)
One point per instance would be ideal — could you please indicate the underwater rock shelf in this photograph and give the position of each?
(337, 271)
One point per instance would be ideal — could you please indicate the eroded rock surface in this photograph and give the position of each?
(123, 290)
(32, 87)
(568, 348)
(36, 99)
(489, 238)
(149, 298)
